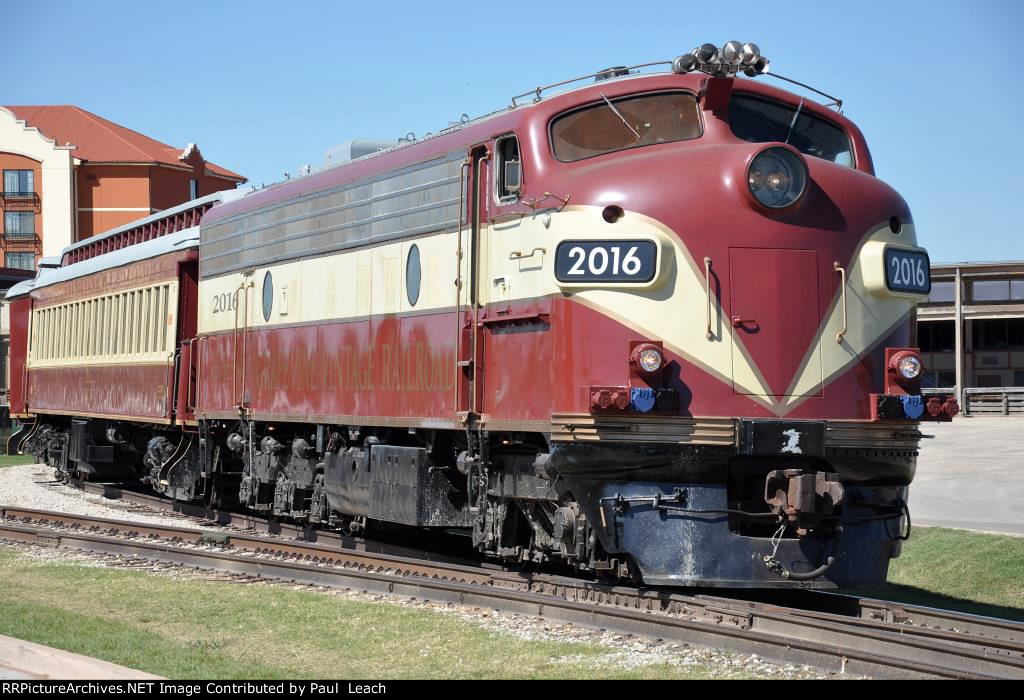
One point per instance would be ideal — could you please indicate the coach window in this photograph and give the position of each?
(68, 335)
(76, 330)
(94, 328)
(508, 166)
(132, 318)
(161, 321)
(122, 342)
(103, 333)
(147, 321)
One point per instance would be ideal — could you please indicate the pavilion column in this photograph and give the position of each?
(958, 322)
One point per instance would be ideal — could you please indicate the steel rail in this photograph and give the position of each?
(828, 641)
(912, 618)
(246, 521)
(347, 552)
(878, 610)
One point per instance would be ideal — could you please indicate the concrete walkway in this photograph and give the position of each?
(971, 475)
(21, 660)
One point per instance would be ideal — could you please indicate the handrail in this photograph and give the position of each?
(842, 294)
(707, 273)
(536, 92)
(994, 390)
(520, 255)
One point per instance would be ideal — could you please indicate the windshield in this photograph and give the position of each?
(625, 122)
(758, 120)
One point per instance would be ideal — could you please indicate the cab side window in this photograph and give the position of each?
(508, 176)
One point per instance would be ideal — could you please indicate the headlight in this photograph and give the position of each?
(777, 177)
(910, 367)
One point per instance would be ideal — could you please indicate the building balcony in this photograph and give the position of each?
(20, 201)
(20, 237)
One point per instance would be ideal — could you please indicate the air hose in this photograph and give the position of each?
(837, 543)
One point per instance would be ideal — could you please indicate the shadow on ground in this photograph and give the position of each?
(912, 595)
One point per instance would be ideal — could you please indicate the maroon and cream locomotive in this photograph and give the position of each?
(656, 326)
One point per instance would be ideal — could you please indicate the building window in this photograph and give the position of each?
(19, 224)
(1015, 333)
(990, 290)
(193, 189)
(1018, 378)
(936, 336)
(19, 182)
(938, 380)
(999, 334)
(20, 261)
(942, 293)
(1017, 290)
(988, 380)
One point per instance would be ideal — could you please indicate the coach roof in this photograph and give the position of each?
(180, 240)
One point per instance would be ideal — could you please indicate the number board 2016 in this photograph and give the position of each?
(907, 271)
(606, 261)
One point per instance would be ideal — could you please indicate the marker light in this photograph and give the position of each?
(903, 366)
(642, 399)
(650, 360)
(647, 358)
(910, 367)
(913, 406)
(777, 177)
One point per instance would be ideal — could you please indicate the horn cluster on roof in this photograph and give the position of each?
(728, 60)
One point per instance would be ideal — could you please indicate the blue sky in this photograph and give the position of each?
(264, 87)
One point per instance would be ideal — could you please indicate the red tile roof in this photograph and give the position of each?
(100, 140)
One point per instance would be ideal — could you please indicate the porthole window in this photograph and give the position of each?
(268, 295)
(412, 275)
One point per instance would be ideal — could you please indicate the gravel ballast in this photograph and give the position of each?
(33, 486)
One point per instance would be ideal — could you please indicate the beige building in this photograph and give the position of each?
(971, 334)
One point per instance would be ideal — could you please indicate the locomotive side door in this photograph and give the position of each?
(512, 278)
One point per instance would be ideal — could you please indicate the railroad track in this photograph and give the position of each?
(880, 640)
(232, 520)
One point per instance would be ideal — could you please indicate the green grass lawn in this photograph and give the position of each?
(960, 570)
(200, 629)
(207, 629)
(12, 460)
